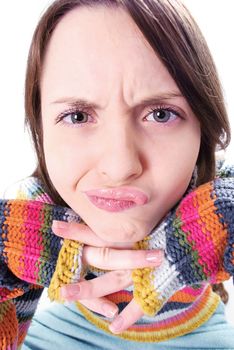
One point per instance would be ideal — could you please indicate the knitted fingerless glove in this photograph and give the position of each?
(198, 241)
(31, 253)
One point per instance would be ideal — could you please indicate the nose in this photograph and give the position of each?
(120, 159)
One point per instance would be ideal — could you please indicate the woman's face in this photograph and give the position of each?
(139, 133)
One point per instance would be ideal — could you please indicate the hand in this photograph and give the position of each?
(120, 260)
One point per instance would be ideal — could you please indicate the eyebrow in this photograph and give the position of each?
(74, 101)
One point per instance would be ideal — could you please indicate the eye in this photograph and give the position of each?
(73, 117)
(77, 117)
(163, 114)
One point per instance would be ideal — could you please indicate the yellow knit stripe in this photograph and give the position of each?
(67, 263)
(144, 292)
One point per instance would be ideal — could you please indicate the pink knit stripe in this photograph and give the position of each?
(198, 233)
(33, 236)
(192, 291)
(44, 198)
(12, 347)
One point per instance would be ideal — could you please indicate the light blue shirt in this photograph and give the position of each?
(63, 327)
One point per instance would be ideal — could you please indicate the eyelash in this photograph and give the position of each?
(77, 110)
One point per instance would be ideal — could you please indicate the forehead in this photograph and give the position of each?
(99, 27)
(103, 45)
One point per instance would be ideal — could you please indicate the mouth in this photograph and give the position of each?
(111, 205)
(115, 200)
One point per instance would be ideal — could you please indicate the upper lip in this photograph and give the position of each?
(120, 193)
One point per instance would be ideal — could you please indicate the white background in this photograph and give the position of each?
(17, 22)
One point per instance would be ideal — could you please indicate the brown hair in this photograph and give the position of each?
(176, 39)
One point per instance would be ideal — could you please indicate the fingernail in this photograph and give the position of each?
(116, 326)
(108, 310)
(69, 291)
(155, 257)
(59, 224)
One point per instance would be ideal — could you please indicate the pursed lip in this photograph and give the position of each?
(120, 193)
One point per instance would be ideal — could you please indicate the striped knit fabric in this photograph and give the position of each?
(28, 255)
(197, 240)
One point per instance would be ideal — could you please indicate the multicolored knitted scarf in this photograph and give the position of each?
(197, 238)
(198, 241)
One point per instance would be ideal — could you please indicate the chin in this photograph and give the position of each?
(122, 233)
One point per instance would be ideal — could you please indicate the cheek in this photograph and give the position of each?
(177, 162)
(66, 160)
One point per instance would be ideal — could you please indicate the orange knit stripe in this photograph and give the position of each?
(182, 297)
(15, 261)
(126, 297)
(8, 324)
(120, 297)
(10, 294)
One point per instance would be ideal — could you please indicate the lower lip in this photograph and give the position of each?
(112, 205)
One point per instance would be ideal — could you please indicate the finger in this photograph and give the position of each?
(101, 305)
(116, 259)
(83, 233)
(100, 286)
(77, 232)
(130, 315)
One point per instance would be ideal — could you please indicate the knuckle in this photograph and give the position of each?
(86, 289)
(90, 288)
(122, 276)
(71, 226)
(140, 256)
(104, 254)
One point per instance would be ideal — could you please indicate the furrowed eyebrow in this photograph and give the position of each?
(74, 101)
(159, 98)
